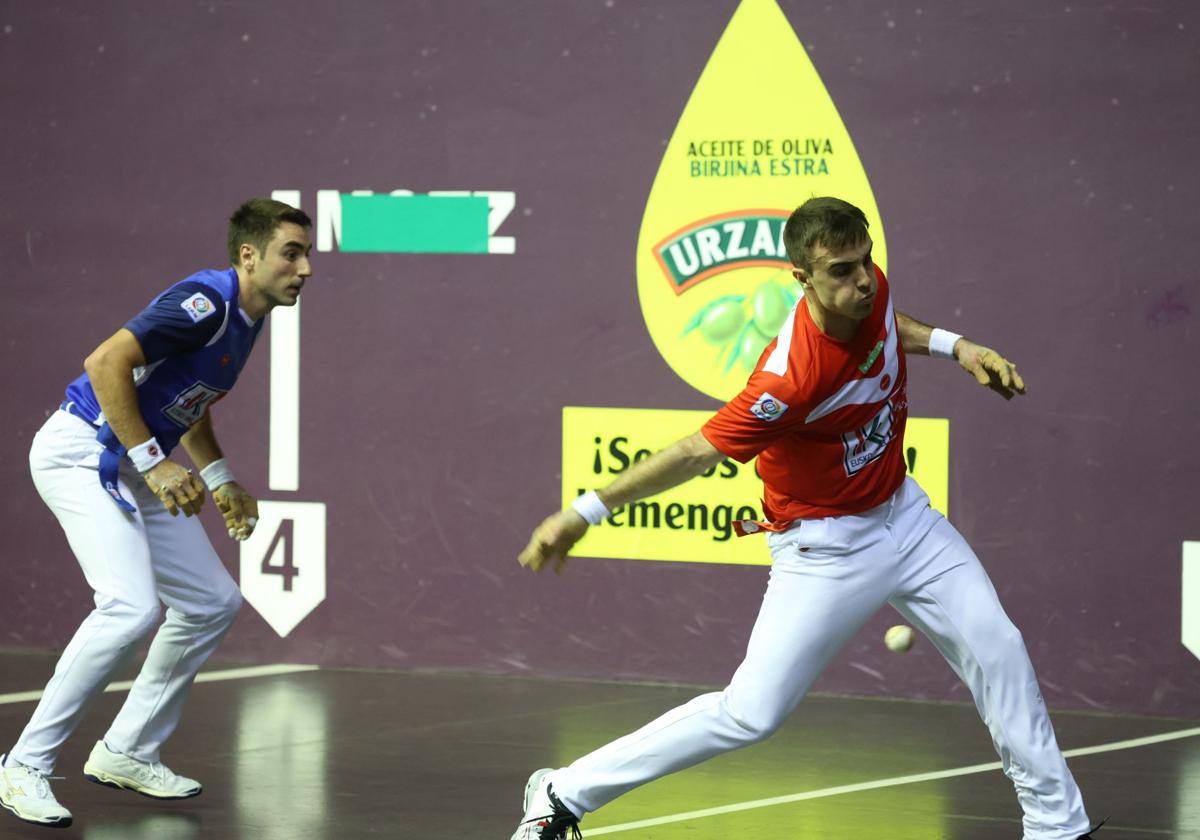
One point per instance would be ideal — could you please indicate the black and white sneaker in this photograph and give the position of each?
(546, 818)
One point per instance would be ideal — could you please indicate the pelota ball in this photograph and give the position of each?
(898, 638)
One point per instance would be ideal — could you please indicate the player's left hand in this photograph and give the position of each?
(239, 508)
(552, 540)
(989, 368)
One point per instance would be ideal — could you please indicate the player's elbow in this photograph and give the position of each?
(103, 363)
(701, 454)
(96, 362)
(119, 354)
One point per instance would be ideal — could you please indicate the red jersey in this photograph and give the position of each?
(825, 417)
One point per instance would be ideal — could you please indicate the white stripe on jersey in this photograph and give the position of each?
(777, 362)
(864, 391)
(140, 374)
(221, 329)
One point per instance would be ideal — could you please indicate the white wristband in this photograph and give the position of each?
(146, 455)
(590, 507)
(216, 474)
(941, 343)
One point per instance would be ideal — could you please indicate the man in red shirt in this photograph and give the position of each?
(824, 412)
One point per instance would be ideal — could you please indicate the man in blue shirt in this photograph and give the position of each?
(101, 464)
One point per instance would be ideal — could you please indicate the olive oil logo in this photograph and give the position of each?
(758, 136)
(722, 243)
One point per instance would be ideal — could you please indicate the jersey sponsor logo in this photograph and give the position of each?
(189, 406)
(198, 307)
(768, 408)
(870, 360)
(866, 444)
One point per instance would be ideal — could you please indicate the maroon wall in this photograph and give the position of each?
(1034, 167)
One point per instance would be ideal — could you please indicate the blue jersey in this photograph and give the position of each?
(196, 339)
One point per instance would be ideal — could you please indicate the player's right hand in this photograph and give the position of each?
(552, 540)
(175, 487)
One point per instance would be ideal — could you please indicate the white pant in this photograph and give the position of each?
(828, 577)
(131, 561)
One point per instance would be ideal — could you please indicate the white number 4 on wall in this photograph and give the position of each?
(283, 563)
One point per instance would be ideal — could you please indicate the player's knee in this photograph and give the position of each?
(128, 617)
(1005, 643)
(754, 725)
(754, 730)
(136, 622)
(227, 607)
(217, 609)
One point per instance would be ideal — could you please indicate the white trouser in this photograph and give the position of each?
(130, 561)
(828, 577)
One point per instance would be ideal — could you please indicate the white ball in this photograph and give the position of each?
(898, 638)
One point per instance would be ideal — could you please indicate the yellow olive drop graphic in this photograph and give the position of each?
(759, 135)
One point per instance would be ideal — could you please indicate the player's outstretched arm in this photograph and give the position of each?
(239, 508)
(989, 368)
(667, 468)
(110, 369)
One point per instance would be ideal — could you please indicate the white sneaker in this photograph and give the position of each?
(546, 818)
(152, 779)
(26, 792)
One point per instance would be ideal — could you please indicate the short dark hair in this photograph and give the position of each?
(827, 221)
(255, 222)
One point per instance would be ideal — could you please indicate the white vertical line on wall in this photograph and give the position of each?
(1190, 629)
(283, 464)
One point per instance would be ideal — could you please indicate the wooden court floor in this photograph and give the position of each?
(347, 754)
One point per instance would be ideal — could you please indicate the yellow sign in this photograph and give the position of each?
(759, 135)
(694, 522)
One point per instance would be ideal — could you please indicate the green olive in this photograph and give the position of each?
(770, 307)
(751, 347)
(721, 322)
